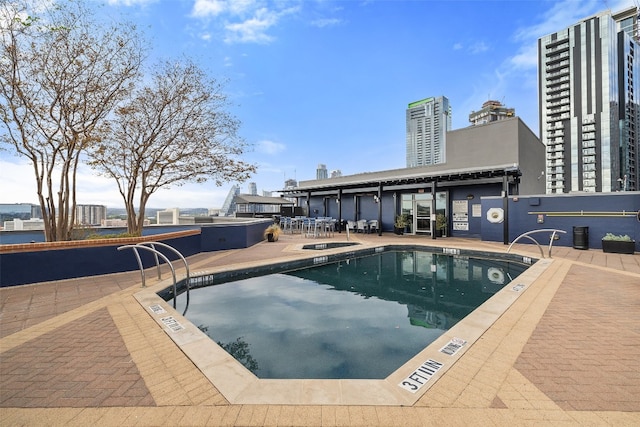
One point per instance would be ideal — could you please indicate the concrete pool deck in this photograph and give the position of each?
(567, 351)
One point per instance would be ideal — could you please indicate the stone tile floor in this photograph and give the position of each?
(567, 352)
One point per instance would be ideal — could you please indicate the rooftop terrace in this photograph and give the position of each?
(86, 352)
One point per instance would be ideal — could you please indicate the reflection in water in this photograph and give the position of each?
(359, 318)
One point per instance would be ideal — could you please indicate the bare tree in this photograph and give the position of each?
(61, 74)
(173, 131)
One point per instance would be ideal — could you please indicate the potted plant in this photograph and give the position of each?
(441, 225)
(272, 232)
(401, 223)
(618, 244)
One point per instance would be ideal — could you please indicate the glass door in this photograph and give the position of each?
(422, 219)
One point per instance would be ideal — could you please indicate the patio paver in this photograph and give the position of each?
(83, 352)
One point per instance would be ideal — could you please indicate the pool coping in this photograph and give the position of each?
(403, 387)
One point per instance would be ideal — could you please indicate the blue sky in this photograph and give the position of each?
(328, 81)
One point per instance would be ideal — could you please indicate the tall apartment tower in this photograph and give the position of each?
(322, 172)
(428, 121)
(588, 74)
(90, 214)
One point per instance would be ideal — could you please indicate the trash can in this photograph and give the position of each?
(581, 237)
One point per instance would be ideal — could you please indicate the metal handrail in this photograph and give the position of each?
(150, 246)
(171, 248)
(543, 230)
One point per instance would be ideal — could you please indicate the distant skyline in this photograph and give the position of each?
(329, 81)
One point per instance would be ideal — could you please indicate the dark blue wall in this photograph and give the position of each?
(231, 236)
(40, 266)
(579, 210)
(464, 193)
(20, 236)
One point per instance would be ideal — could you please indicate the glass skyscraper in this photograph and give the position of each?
(587, 75)
(428, 121)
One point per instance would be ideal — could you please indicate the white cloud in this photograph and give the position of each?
(19, 186)
(130, 3)
(478, 47)
(208, 8)
(252, 30)
(561, 15)
(242, 21)
(213, 8)
(270, 147)
(326, 22)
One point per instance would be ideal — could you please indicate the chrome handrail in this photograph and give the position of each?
(150, 246)
(543, 230)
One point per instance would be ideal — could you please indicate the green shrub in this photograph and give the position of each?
(617, 237)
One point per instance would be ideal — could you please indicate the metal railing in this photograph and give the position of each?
(544, 230)
(151, 247)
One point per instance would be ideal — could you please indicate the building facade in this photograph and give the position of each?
(496, 159)
(491, 111)
(168, 216)
(588, 110)
(428, 121)
(322, 172)
(90, 214)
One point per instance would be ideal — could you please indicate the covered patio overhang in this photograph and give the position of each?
(405, 180)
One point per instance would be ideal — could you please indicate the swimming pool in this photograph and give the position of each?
(358, 315)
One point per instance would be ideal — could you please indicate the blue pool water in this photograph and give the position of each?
(362, 317)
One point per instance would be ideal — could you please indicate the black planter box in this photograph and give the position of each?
(618, 246)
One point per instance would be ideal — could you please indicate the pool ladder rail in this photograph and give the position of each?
(553, 232)
(151, 247)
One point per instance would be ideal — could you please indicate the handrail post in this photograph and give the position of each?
(173, 271)
(135, 251)
(544, 230)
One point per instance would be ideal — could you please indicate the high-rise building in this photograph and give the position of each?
(588, 75)
(428, 121)
(253, 189)
(90, 214)
(491, 111)
(322, 172)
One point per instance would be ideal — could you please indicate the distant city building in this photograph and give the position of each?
(290, 183)
(321, 172)
(491, 111)
(589, 114)
(336, 173)
(9, 211)
(428, 121)
(168, 217)
(90, 214)
(253, 189)
(27, 224)
(266, 193)
(250, 205)
(229, 207)
(117, 222)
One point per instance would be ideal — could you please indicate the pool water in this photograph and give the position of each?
(360, 318)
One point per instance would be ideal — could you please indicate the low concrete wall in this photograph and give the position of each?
(41, 262)
(602, 213)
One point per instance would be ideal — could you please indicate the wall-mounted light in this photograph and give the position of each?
(470, 196)
(376, 198)
(541, 175)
